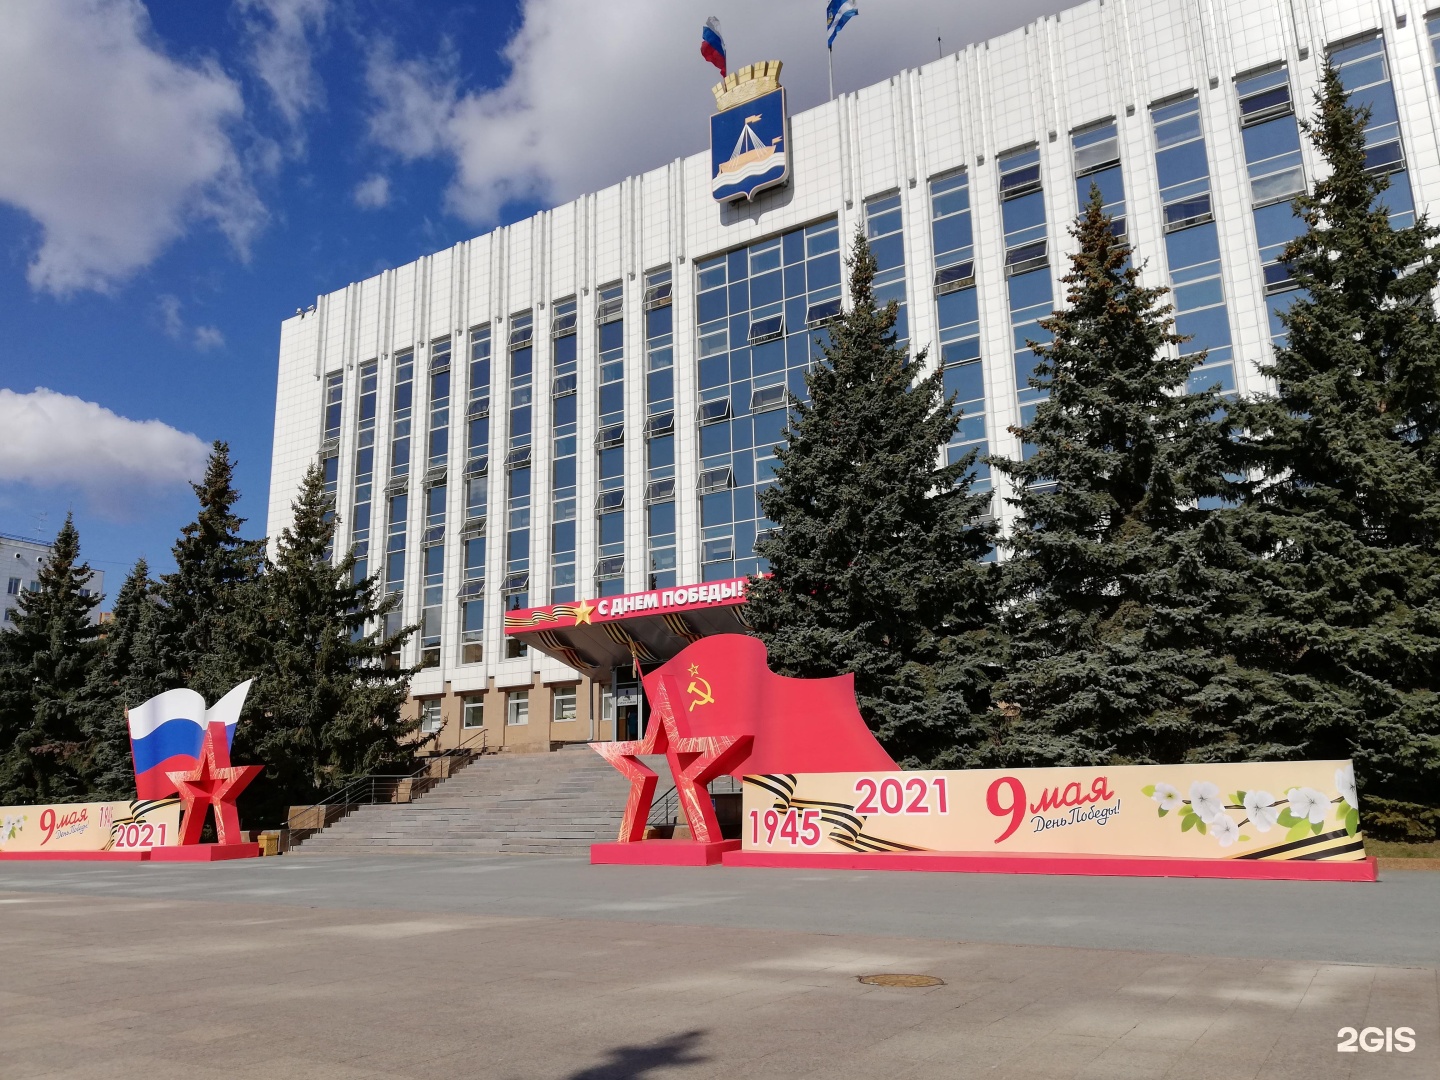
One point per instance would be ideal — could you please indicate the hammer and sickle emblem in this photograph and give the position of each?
(700, 688)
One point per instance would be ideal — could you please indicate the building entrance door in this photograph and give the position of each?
(627, 710)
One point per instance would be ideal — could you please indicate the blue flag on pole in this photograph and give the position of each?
(837, 14)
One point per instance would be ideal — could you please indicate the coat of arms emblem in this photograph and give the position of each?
(748, 133)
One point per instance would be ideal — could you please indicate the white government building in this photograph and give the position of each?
(581, 404)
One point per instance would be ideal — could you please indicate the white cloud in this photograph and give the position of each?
(280, 34)
(113, 148)
(209, 337)
(56, 440)
(174, 326)
(597, 92)
(373, 192)
(170, 320)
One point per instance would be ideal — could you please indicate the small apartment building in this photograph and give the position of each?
(20, 561)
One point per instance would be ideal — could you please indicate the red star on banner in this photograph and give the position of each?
(625, 756)
(213, 782)
(694, 762)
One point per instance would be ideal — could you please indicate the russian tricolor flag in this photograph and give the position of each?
(712, 45)
(167, 731)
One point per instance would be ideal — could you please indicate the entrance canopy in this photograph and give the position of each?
(612, 633)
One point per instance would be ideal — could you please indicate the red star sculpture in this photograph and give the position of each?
(213, 782)
(694, 762)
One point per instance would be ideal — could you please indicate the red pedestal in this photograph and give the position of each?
(75, 856)
(1075, 865)
(204, 852)
(662, 853)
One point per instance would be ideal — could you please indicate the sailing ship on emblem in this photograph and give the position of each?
(750, 158)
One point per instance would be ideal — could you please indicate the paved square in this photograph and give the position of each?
(201, 972)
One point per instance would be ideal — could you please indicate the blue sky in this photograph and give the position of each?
(188, 174)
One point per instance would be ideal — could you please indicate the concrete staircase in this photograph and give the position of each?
(552, 804)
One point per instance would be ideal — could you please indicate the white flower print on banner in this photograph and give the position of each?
(1345, 785)
(1168, 796)
(1205, 801)
(1260, 808)
(1224, 829)
(1309, 804)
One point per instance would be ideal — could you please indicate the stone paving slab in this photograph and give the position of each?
(1390, 922)
(149, 989)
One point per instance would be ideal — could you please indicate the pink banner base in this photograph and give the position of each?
(179, 853)
(75, 856)
(205, 852)
(662, 853)
(967, 862)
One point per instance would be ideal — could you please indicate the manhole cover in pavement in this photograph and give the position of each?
(901, 980)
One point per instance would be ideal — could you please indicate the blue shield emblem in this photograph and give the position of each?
(747, 148)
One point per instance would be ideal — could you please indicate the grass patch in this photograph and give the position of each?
(1392, 849)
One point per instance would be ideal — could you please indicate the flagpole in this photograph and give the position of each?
(830, 64)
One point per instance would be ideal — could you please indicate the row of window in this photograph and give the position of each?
(760, 313)
(564, 707)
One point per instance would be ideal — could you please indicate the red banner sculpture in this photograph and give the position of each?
(213, 782)
(717, 709)
(820, 792)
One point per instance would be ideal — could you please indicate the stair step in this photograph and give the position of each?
(558, 803)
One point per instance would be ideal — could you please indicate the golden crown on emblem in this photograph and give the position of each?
(747, 84)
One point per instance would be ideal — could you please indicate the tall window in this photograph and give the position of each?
(334, 390)
(610, 443)
(1366, 75)
(439, 441)
(431, 717)
(1272, 156)
(432, 543)
(364, 467)
(477, 426)
(432, 569)
(517, 707)
(660, 429)
(1432, 27)
(477, 481)
(883, 230)
(761, 313)
(395, 542)
(958, 314)
(517, 462)
(564, 701)
(402, 401)
(563, 398)
(1095, 153)
(1192, 245)
(473, 714)
(330, 447)
(397, 513)
(1022, 211)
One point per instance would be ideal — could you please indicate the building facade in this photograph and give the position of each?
(20, 562)
(585, 403)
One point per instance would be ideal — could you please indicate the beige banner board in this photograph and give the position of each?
(102, 826)
(1261, 810)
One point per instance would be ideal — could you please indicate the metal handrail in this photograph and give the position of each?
(666, 809)
(366, 790)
